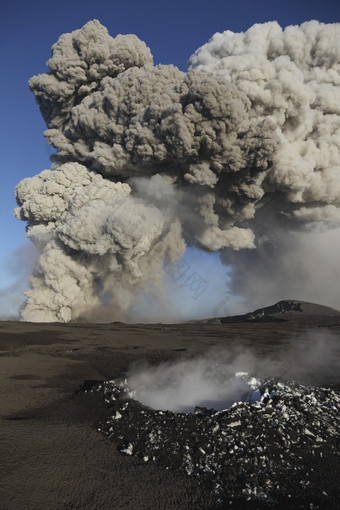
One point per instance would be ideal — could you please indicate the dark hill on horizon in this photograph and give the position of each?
(283, 311)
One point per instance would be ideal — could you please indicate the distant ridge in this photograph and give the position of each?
(285, 310)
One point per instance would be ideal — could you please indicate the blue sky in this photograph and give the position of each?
(173, 31)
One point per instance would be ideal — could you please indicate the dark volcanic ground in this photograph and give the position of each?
(54, 457)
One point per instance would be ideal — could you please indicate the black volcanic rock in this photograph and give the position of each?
(270, 453)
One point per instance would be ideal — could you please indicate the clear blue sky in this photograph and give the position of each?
(173, 30)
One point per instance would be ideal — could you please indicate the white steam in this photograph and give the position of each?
(181, 386)
(223, 377)
(243, 146)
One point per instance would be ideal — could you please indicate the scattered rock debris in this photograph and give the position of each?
(281, 451)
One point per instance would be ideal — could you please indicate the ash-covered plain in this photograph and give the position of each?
(278, 447)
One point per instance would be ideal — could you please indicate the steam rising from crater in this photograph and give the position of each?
(151, 160)
(218, 378)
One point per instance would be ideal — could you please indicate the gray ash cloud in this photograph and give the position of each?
(150, 159)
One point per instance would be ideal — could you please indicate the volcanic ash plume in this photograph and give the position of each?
(151, 159)
(291, 78)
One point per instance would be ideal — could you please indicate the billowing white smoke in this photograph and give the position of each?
(183, 395)
(181, 386)
(222, 377)
(151, 159)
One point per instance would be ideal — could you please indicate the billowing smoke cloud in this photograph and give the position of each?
(151, 159)
(291, 78)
